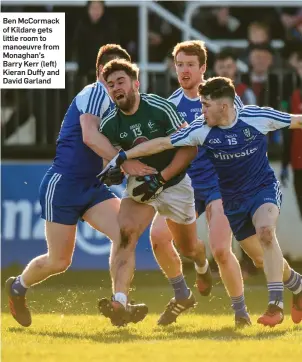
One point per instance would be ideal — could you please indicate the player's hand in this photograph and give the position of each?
(152, 183)
(284, 176)
(137, 168)
(114, 176)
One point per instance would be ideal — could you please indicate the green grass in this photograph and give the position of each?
(66, 326)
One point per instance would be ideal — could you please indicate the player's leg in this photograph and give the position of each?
(220, 240)
(133, 219)
(60, 241)
(104, 217)
(167, 256)
(181, 233)
(60, 229)
(291, 279)
(265, 221)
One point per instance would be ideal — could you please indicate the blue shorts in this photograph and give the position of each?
(241, 212)
(65, 200)
(204, 196)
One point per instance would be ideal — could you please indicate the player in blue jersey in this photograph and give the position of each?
(190, 61)
(70, 190)
(235, 142)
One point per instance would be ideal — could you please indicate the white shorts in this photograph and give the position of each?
(175, 203)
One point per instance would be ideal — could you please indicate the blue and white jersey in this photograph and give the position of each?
(72, 155)
(239, 151)
(201, 170)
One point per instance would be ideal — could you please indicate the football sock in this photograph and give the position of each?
(275, 291)
(294, 283)
(202, 269)
(121, 298)
(238, 305)
(180, 287)
(18, 286)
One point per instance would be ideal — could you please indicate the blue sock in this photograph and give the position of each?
(238, 305)
(275, 291)
(17, 287)
(294, 283)
(180, 287)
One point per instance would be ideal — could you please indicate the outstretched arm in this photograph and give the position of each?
(182, 159)
(151, 147)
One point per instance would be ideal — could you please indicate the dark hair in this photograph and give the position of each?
(225, 54)
(192, 47)
(120, 64)
(108, 52)
(101, 2)
(217, 87)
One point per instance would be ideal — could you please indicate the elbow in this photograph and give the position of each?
(88, 139)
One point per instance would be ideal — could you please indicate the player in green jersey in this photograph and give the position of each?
(138, 118)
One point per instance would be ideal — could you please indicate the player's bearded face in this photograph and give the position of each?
(122, 90)
(189, 72)
(125, 100)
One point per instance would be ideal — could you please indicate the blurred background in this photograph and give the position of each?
(257, 45)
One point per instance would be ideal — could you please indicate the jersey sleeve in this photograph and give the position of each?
(93, 100)
(265, 119)
(173, 120)
(193, 135)
(108, 128)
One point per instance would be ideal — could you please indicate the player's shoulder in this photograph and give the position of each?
(157, 101)
(96, 87)
(108, 120)
(200, 122)
(176, 96)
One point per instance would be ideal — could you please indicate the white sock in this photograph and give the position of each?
(202, 269)
(121, 298)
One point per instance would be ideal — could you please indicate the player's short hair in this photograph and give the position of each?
(226, 53)
(108, 52)
(120, 64)
(192, 47)
(217, 87)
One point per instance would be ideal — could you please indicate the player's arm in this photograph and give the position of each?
(182, 159)
(95, 140)
(267, 119)
(193, 135)
(93, 103)
(295, 121)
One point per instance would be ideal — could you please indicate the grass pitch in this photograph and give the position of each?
(67, 327)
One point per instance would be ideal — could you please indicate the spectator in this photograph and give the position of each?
(219, 24)
(258, 34)
(96, 29)
(226, 66)
(292, 143)
(263, 83)
(292, 24)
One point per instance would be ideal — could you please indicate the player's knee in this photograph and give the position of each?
(60, 265)
(129, 236)
(258, 262)
(189, 251)
(157, 238)
(266, 235)
(221, 254)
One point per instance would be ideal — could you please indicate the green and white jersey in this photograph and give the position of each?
(155, 117)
